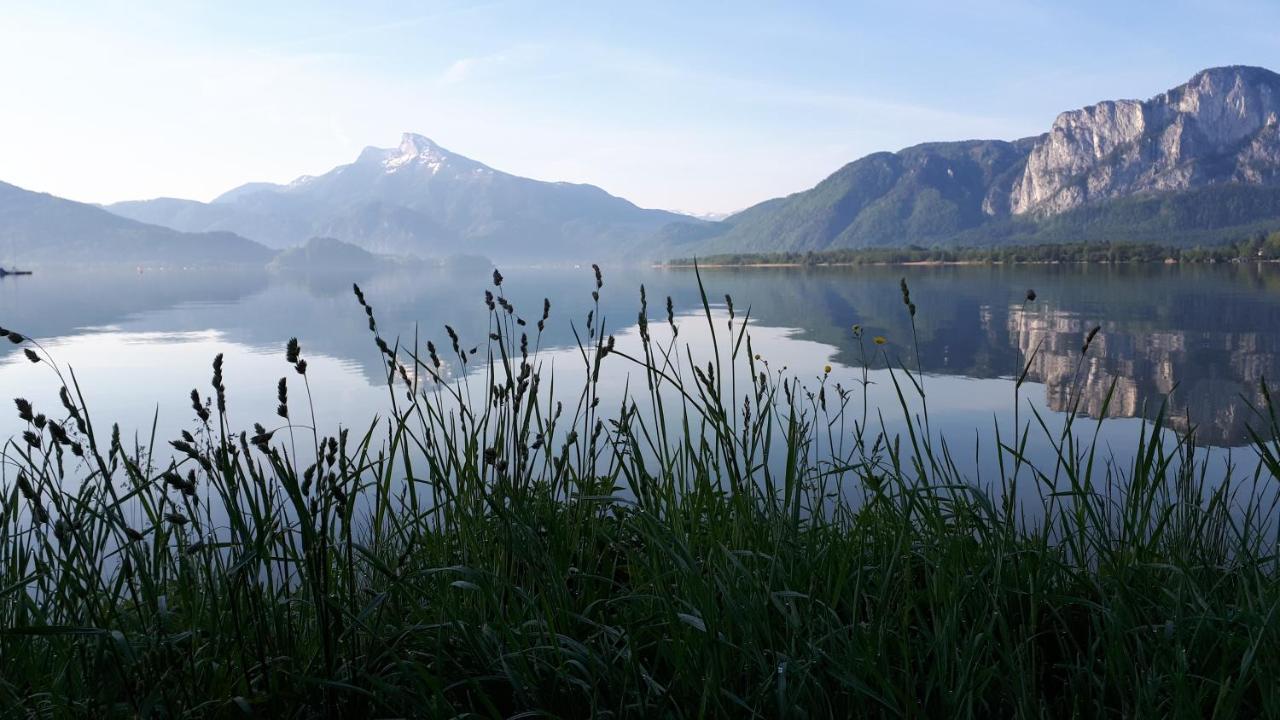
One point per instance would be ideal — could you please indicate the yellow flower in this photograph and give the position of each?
(826, 369)
(879, 340)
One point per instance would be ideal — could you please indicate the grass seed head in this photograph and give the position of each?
(1088, 340)
(24, 409)
(282, 395)
(219, 389)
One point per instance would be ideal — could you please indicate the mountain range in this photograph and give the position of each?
(1197, 164)
(37, 228)
(421, 199)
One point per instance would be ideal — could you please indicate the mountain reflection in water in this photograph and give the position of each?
(1195, 339)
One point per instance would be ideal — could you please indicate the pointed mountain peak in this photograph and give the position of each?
(413, 150)
(415, 144)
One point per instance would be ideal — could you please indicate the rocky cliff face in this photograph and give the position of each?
(1221, 126)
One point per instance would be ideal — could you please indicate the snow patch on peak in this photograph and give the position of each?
(415, 149)
(416, 143)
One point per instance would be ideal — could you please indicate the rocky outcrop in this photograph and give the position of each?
(1221, 126)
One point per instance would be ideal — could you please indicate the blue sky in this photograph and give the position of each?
(699, 106)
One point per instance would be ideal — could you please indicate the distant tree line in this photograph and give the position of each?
(1258, 246)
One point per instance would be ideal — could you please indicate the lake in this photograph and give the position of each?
(1193, 340)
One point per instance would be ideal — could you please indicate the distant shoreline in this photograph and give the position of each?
(939, 263)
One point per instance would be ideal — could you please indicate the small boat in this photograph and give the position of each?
(15, 271)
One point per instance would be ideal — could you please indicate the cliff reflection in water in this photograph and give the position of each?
(1206, 378)
(1197, 340)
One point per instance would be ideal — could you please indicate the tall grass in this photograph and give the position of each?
(726, 542)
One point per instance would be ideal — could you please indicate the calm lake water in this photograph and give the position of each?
(1196, 340)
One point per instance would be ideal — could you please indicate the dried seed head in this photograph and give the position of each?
(497, 278)
(24, 409)
(31, 355)
(219, 389)
(291, 351)
(599, 278)
(59, 434)
(282, 395)
(1031, 295)
(24, 485)
(202, 411)
(1089, 339)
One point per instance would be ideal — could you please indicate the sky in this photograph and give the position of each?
(704, 107)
